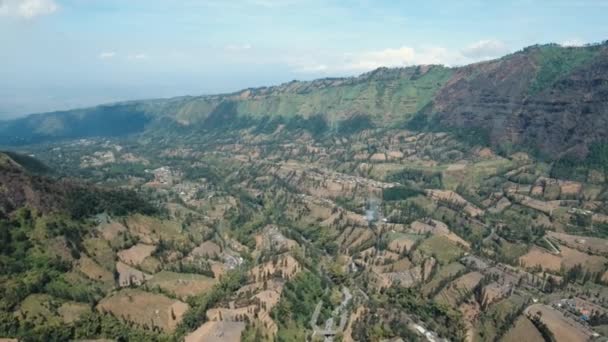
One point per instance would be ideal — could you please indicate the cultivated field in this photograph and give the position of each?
(182, 284)
(582, 243)
(136, 254)
(564, 329)
(459, 289)
(444, 249)
(540, 257)
(523, 330)
(144, 308)
(445, 272)
(217, 331)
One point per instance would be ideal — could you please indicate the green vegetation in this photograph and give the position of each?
(556, 61)
(32, 165)
(200, 304)
(85, 202)
(298, 302)
(426, 178)
(571, 167)
(246, 183)
(29, 267)
(397, 301)
(354, 124)
(399, 193)
(92, 325)
(442, 248)
(499, 317)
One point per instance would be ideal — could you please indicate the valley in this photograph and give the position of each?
(392, 212)
(288, 236)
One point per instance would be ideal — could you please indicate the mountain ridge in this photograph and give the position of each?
(527, 100)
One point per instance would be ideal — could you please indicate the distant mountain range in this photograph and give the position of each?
(548, 99)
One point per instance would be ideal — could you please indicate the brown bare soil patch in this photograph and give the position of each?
(216, 331)
(348, 332)
(401, 244)
(136, 254)
(207, 249)
(572, 257)
(150, 230)
(469, 311)
(570, 187)
(459, 289)
(71, 311)
(581, 243)
(128, 275)
(110, 231)
(93, 270)
(523, 330)
(564, 329)
(285, 265)
(451, 196)
(145, 308)
(542, 258)
(183, 285)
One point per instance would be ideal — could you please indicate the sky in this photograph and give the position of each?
(60, 54)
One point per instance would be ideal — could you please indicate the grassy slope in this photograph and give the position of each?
(386, 100)
(555, 62)
(388, 96)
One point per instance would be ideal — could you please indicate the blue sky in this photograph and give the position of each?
(57, 54)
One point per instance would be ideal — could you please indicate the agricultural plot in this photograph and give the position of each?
(581, 243)
(217, 331)
(207, 249)
(563, 328)
(150, 230)
(523, 330)
(45, 308)
(400, 242)
(93, 270)
(443, 274)
(144, 308)
(182, 285)
(442, 248)
(459, 289)
(136, 254)
(540, 257)
(100, 251)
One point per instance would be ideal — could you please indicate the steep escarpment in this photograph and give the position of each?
(548, 99)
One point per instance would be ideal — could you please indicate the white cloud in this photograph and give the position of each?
(388, 57)
(485, 49)
(107, 55)
(238, 48)
(353, 63)
(400, 57)
(27, 9)
(368, 60)
(310, 68)
(137, 56)
(572, 43)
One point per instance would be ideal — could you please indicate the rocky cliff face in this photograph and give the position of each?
(554, 105)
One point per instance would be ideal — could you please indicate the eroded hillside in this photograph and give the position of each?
(283, 234)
